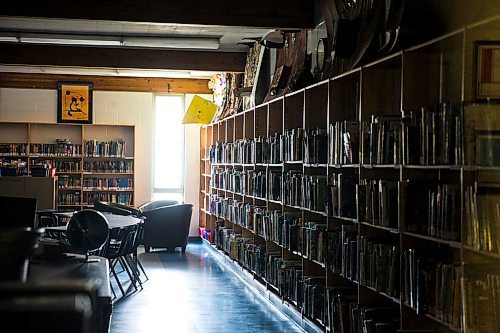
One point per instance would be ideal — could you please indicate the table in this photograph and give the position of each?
(114, 221)
(52, 284)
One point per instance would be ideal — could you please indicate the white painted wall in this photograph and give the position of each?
(115, 108)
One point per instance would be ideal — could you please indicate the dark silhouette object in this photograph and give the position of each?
(87, 230)
(16, 247)
(167, 226)
(68, 306)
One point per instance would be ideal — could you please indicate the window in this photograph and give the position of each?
(168, 172)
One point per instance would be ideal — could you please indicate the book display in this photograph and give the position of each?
(364, 201)
(91, 162)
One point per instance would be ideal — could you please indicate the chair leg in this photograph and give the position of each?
(112, 289)
(129, 271)
(135, 271)
(117, 280)
(142, 269)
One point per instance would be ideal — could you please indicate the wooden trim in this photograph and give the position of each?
(111, 83)
(258, 13)
(108, 57)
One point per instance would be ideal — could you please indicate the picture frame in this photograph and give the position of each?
(487, 58)
(487, 148)
(74, 102)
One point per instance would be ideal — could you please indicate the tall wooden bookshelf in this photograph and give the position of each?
(96, 161)
(399, 228)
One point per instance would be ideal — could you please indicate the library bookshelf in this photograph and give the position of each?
(362, 201)
(92, 162)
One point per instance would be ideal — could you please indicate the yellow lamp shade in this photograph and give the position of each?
(200, 111)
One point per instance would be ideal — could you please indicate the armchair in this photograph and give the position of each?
(167, 226)
(156, 204)
(166, 222)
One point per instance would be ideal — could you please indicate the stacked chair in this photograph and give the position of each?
(121, 251)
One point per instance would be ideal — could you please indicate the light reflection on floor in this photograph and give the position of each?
(192, 293)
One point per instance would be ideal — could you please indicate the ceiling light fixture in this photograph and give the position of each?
(120, 72)
(211, 43)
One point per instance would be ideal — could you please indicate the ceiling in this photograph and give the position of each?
(229, 36)
(228, 22)
(229, 41)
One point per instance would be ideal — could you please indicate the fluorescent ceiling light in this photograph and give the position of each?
(125, 41)
(173, 42)
(117, 72)
(8, 39)
(69, 39)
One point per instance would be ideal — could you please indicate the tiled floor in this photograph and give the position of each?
(193, 293)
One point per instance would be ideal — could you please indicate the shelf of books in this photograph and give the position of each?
(368, 202)
(91, 162)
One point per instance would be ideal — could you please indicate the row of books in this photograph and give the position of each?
(13, 149)
(383, 140)
(249, 254)
(269, 224)
(292, 145)
(434, 135)
(288, 229)
(69, 182)
(316, 146)
(341, 195)
(95, 148)
(109, 166)
(482, 215)
(57, 149)
(431, 286)
(377, 202)
(314, 297)
(335, 307)
(310, 146)
(425, 136)
(340, 247)
(121, 198)
(482, 300)
(291, 187)
(66, 198)
(239, 181)
(345, 315)
(60, 166)
(292, 286)
(379, 265)
(314, 234)
(432, 209)
(259, 150)
(118, 184)
(343, 142)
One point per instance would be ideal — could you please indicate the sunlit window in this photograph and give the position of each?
(168, 148)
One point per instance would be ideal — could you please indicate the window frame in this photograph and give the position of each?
(180, 189)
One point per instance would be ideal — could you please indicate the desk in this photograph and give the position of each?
(57, 271)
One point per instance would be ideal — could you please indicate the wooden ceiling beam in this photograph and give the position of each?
(257, 13)
(107, 83)
(52, 55)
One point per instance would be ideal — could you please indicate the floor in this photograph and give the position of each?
(193, 293)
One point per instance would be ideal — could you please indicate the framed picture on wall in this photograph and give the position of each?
(74, 102)
(488, 70)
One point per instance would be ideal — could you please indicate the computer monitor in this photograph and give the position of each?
(17, 212)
